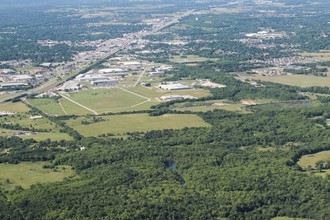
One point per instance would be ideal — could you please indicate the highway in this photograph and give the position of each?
(109, 47)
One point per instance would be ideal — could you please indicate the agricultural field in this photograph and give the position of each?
(121, 124)
(27, 173)
(311, 159)
(294, 80)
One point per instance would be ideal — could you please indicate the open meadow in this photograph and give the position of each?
(23, 125)
(190, 59)
(294, 80)
(27, 173)
(311, 159)
(47, 105)
(14, 106)
(121, 124)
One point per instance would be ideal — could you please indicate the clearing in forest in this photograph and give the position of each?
(27, 173)
(121, 124)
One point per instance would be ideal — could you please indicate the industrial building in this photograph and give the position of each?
(5, 86)
(105, 83)
(176, 86)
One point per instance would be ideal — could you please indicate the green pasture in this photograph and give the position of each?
(120, 124)
(47, 105)
(104, 100)
(295, 80)
(27, 173)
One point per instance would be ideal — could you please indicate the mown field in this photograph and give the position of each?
(120, 124)
(295, 80)
(105, 100)
(27, 173)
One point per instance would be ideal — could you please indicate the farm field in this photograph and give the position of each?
(295, 80)
(311, 159)
(120, 124)
(26, 174)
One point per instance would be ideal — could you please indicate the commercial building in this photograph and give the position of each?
(105, 83)
(176, 86)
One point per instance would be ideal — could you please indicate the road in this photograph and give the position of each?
(109, 47)
(141, 75)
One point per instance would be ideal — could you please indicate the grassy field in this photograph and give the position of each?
(311, 159)
(154, 93)
(120, 124)
(322, 55)
(215, 104)
(71, 108)
(105, 100)
(24, 120)
(288, 218)
(189, 59)
(14, 107)
(295, 80)
(231, 107)
(27, 173)
(48, 128)
(47, 105)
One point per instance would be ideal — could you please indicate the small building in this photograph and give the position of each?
(156, 73)
(116, 70)
(34, 117)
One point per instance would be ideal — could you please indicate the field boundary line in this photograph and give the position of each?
(59, 102)
(148, 99)
(77, 103)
